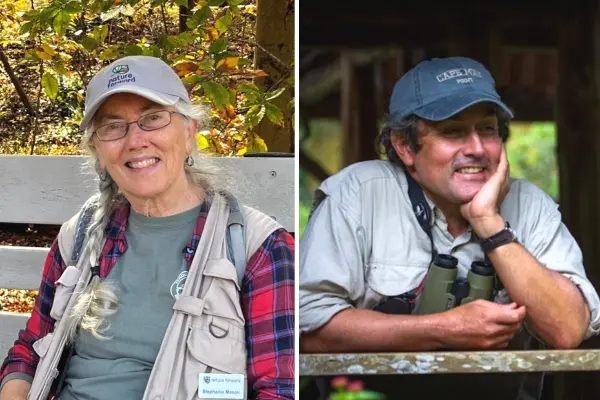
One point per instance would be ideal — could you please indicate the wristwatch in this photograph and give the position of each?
(501, 238)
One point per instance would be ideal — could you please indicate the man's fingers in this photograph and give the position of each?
(508, 315)
(502, 342)
(500, 176)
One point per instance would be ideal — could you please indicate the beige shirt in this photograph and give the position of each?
(363, 243)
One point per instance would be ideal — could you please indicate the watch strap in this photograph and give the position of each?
(506, 235)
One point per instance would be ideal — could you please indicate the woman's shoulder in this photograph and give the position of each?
(258, 226)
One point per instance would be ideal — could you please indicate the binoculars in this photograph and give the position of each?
(443, 291)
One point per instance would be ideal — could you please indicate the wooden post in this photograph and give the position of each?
(358, 110)
(578, 121)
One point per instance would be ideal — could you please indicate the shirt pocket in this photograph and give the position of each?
(64, 287)
(388, 280)
(216, 341)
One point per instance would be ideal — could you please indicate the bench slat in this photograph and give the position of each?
(21, 267)
(9, 329)
(50, 189)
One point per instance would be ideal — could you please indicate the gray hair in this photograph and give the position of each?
(408, 129)
(100, 298)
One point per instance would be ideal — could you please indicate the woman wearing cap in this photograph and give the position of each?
(155, 200)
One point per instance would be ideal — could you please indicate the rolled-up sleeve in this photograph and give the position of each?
(553, 245)
(331, 265)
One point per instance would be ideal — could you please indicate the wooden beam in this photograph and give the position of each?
(454, 362)
(358, 110)
(578, 121)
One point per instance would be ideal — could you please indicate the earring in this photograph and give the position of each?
(103, 175)
(189, 160)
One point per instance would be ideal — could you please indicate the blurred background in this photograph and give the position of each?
(545, 58)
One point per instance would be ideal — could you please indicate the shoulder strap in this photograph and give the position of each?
(247, 229)
(72, 235)
(236, 237)
(421, 209)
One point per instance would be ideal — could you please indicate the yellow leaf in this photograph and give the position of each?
(259, 73)
(257, 145)
(213, 34)
(184, 68)
(260, 145)
(43, 55)
(237, 136)
(201, 142)
(250, 9)
(230, 111)
(49, 49)
(242, 151)
(228, 64)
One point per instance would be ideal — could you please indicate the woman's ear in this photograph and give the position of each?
(403, 149)
(190, 131)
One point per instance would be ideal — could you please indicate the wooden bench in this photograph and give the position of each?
(51, 189)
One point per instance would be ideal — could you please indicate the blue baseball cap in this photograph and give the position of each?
(437, 89)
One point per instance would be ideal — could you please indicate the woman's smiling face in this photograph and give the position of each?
(144, 164)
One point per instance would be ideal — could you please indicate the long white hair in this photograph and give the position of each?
(100, 298)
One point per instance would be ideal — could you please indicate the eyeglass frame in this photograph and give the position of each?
(127, 124)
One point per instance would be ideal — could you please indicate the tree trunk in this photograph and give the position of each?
(184, 13)
(275, 33)
(16, 83)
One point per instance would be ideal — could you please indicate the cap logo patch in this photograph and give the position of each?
(120, 69)
(120, 75)
(464, 75)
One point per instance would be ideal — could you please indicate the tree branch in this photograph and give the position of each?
(164, 18)
(267, 52)
(37, 107)
(16, 83)
(183, 15)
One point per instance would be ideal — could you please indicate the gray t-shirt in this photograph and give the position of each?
(150, 275)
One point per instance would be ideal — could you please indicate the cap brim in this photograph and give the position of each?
(446, 107)
(157, 97)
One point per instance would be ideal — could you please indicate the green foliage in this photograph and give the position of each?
(531, 152)
(303, 213)
(71, 40)
(14, 147)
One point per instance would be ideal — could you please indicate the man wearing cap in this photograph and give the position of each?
(444, 188)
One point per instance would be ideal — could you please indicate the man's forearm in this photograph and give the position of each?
(556, 310)
(354, 330)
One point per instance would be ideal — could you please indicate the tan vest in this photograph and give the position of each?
(206, 333)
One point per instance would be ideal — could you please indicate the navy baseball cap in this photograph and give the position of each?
(437, 89)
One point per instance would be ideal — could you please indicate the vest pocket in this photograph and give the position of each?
(64, 288)
(42, 344)
(216, 341)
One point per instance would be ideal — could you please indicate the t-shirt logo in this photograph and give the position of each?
(178, 285)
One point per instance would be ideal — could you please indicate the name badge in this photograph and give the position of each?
(221, 386)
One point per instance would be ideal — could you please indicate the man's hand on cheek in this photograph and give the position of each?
(482, 211)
